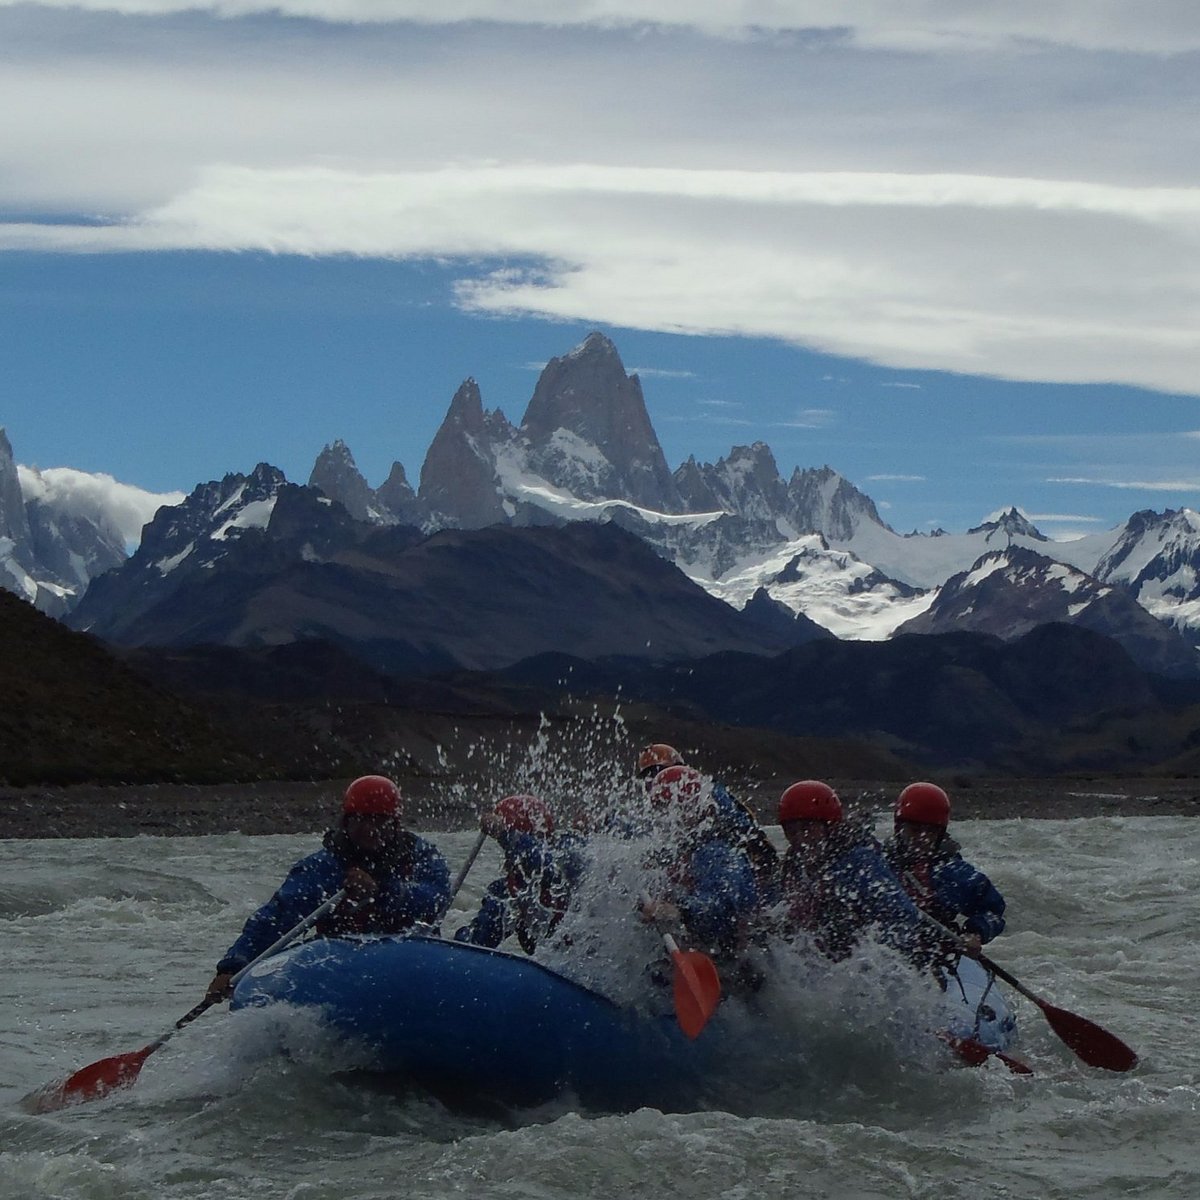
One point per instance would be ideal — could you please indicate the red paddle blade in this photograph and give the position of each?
(90, 1082)
(1015, 1065)
(1094, 1045)
(697, 990)
(972, 1052)
(975, 1053)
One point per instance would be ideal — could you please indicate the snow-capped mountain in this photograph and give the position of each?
(1010, 592)
(585, 450)
(587, 431)
(1156, 559)
(60, 528)
(181, 544)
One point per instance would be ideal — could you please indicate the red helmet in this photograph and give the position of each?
(924, 803)
(677, 785)
(527, 814)
(655, 757)
(809, 800)
(372, 795)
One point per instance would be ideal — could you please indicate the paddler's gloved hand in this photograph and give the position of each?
(659, 911)
(360, 887)
(492, 824)
(971, 944)
(221, 987)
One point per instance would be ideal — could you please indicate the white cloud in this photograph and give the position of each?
(1134, 485)
(1166, 27)
(810, 418)
(982, 213)
(1060, 518)
(916, 387)
(1069, 282)
(100, 498)
(661, 373)
(896, 478)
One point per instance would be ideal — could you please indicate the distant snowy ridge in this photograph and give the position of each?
(60, 528)
(585, 450)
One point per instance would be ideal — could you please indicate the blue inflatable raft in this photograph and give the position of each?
(473, 1023)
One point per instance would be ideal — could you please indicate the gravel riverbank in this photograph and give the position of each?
(289, 807)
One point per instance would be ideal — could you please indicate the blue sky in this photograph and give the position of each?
(951, 251)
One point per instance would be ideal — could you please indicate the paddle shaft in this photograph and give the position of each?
(461, 877)
(121, 1070)
(1091, 1043)
(280, 943)
(1011, 980)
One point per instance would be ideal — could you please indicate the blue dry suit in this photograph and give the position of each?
(736, 823)
(414, 887)
(848, 889)
(530, 898)
(712, 883)
(950, 889)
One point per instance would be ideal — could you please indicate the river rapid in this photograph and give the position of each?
(107, 941)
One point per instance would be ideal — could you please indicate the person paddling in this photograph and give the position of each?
(835, 882)
(706, 883)
(529, 899)
(731, 819)
(393, 880)
(933, 872)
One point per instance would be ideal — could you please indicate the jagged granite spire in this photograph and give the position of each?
(397, 498)
(1010, 523)
(337, 475)
(822, 501)
(14, 522)
(745, 483)
(587, 430)
(459, 483)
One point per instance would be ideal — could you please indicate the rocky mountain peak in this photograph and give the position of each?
(337, 475)
(1010, 523)
(822, 501)
(397, 497)
(14, 524)
(586, 429)
(746, 483)
(460, 485)
(1010, 592)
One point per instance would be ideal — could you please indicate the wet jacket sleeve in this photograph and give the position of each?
(308, 884)
(422, 898)
(722, 891)
(490, 924)
(966, 891)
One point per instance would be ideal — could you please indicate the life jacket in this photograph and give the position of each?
(397, 861)
(916, 877)
(735, 823)
(815, 900)
(538, 896)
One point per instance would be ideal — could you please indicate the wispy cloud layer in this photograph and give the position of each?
(1134, 485)
(1169, 27)
(880, 190)
(99, 498)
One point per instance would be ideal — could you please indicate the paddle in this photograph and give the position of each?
(696, 985)
(973, 1052)
(1091, 1043)
(460, 878)
(121, 1070)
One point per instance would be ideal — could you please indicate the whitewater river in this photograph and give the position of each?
(106, 942)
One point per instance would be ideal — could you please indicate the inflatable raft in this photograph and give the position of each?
(473, 1023)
